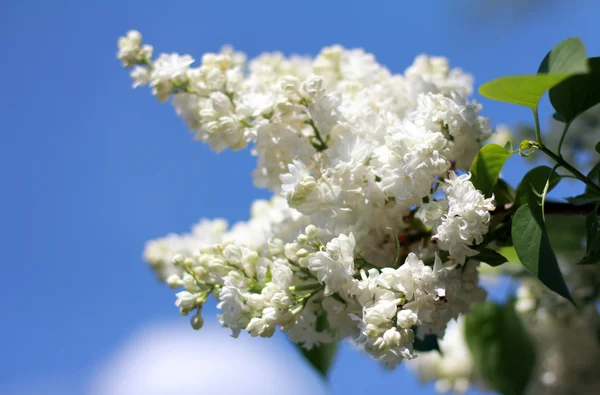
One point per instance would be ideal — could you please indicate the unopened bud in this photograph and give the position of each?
(302, 239)
(178, 260)
(197, 322)
(311, 231)
(301, 253)
(174, 281)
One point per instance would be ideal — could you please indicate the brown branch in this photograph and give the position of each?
(555, 208)
(560, 208)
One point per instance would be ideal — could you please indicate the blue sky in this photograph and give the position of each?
(92, 169)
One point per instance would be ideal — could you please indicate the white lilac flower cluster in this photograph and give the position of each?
(562, 334)
(452, 368)
(373, 217)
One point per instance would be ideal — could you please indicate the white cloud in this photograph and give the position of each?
(171, 358)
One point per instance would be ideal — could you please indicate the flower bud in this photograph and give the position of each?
(188, 263)
(197, 322)
(233, 254)
(301, 253)
(275, 246)
(178, 260)
(311, 231)
(313, 85)
(174, 281)
(302, 239)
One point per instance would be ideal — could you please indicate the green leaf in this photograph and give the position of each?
(502, 350)
(592, 245)
(320, 357)
(577, 93)
(486, 167)
(568, 56)
(594, 176)
(569, 245)
(584, 198)
(535, 178)
(503, 193)
(564, 60)
(558, 117)
(597, 147)
(525, 90)
(429, 343)
(491, 257)
(534, 250)
(591, 226)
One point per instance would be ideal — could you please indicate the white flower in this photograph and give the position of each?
(407, 319)
(467, 219)
(298, 184)
(131, 51)
(352, 154)
(140, 75)
(335, 266)
(452, 367)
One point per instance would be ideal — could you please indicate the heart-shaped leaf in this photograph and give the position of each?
(568, 56)
(534, 250)
(535, 178)
(525, 90)
(577, 93)
(565, 59)
(429, 343)
(486, 167)
(490, 257)
(502, 350)
(584, 198)
(321, 356)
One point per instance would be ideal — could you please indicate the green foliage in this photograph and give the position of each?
(320, 357)
(564, 60)
(535, 178)
(568, 56)
(490, 257)
(577, 93)
(501, 347)
(584, 198)
(503, 193)
(591, 195)
(429, 343)
(486, 167)
(569, 245)
(524, 90)
(533, 246)
(592, 243)
(593, 176)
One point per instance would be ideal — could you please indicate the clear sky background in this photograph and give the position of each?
(91, 169)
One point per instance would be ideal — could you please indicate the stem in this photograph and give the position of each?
(538, 132)
(322, 145)
(562, 137)
(558, 158)
(567, 166)
(547, 186)
(148, 63)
